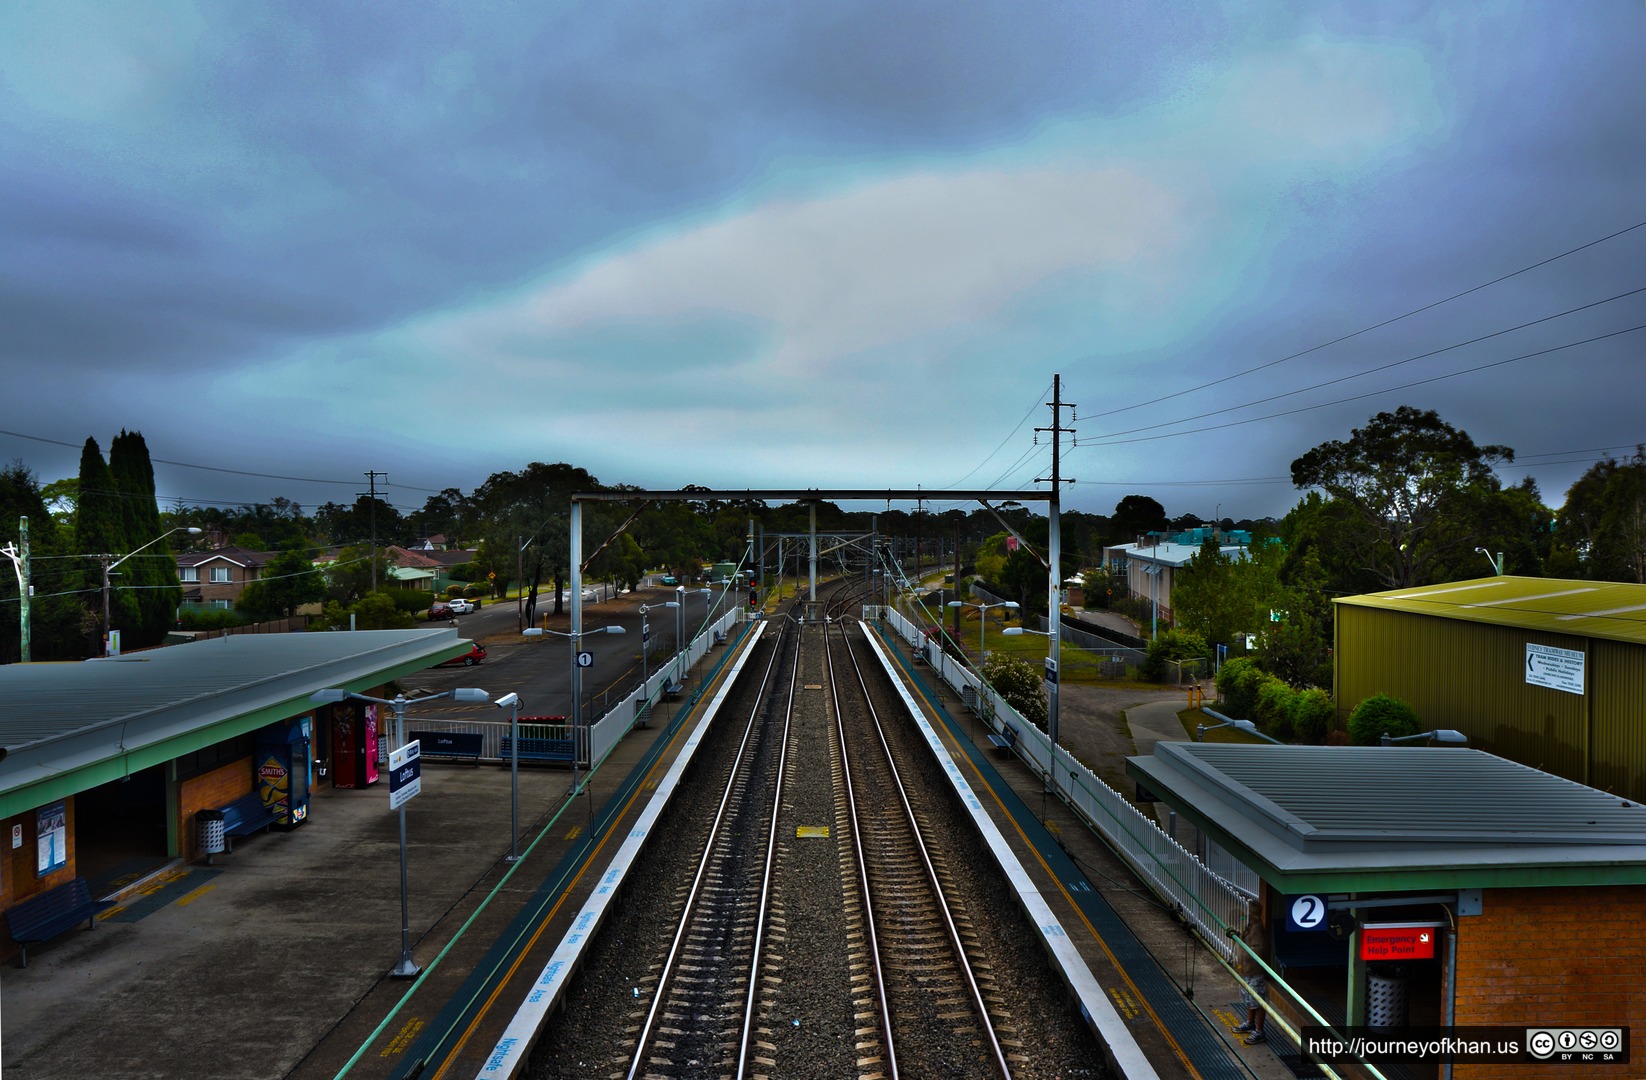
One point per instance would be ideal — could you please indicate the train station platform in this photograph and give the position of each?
(275, 961)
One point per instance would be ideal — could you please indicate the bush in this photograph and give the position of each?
(1172, 645)
(210, 619)
(1238, 681)
(1275, 701)
(1382, 714)
(410, 601)
(1021, 684)
(1312, 715)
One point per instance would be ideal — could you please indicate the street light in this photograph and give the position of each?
(1239, 725)
(511, 701)
(645, 643)
(407, 967)
(1497, 563)
(109, 566)
(1443, 736)
(983, 621)
(679, 604)
(576, 637)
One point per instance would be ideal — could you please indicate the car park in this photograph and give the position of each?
(468, 659)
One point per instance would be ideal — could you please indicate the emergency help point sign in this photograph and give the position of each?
(1388, 941)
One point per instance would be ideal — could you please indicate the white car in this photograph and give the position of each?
(460, 606)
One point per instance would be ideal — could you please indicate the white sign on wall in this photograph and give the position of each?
(1558, 669)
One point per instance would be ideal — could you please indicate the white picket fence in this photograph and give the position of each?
(1207, 900)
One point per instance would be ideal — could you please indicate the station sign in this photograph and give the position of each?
(405, 773)
(1306, 912)
(585, 659)
(1398, 941)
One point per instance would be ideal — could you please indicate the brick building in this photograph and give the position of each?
(1411, 886)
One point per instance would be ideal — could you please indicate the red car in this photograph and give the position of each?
(468, 659)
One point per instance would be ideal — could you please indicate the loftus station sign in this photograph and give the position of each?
(1398, 941)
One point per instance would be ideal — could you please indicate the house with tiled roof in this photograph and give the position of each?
(215, 579)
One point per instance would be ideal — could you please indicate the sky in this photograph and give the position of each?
(807, 245)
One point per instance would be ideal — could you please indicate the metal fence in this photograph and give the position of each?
(1204, 898)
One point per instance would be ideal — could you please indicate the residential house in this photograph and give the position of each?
(214, 579)
(1150, 567)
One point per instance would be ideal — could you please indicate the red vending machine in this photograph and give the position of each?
(353, 744)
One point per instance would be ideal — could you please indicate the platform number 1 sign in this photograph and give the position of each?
(1306, 913)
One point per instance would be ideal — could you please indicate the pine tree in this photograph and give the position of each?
(99, 534)
(152, 575)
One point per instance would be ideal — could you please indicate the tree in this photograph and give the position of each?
(1411, 486)
(54, 617)
(151, 575)
(1380, 715)
(1019, 683)
(350, 577)
(1601, 530)
(288, 581)
(1134, 516)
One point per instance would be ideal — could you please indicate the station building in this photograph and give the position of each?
(1408, 886)
(1547, 672)
(105, 764)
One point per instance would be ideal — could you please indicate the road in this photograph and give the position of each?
(539, 669)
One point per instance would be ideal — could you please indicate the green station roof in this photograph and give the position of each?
(1599, 609)
(1396, 818)
(66, 727)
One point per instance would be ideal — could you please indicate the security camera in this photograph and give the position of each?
(507, 700)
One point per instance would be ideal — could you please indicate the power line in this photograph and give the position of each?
(1377, 393)
(1381, 367)
(1375, 326)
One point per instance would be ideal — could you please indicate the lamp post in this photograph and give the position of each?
(645, 644)
(19, 555)
(576, 637)
(511, 701)
(407, 967)
(680, 629)
(1239, 725)
(1443, 736)
(109, 566)
(983, 622)
(1497, 563)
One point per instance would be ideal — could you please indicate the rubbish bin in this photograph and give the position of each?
(209, 824)
(1386, 997)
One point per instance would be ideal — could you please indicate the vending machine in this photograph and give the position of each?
(282, 763)
(353, 744)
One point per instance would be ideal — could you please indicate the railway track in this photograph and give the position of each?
(919, 979)
(810, 909)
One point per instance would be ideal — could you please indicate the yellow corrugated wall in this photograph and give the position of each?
(1472, 677)
(1618, 684)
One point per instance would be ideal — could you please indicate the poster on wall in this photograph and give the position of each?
(1558, 669)
(51, 830)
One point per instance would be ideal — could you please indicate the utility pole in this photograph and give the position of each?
(1054, 605)
(371, 514)
(19, 555)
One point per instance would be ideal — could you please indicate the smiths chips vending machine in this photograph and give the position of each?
(282, 763)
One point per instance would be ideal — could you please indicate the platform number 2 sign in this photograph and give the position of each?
(1307, 913)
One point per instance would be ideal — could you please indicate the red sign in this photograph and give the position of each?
(1397, 942)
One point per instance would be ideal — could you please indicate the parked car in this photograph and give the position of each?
(468, 659)
(461, 606)
(669, 579)
(441, 611)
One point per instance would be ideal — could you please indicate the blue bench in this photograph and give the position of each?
(671, 691)
(1005, 740)
(246, 815)
(55, 911)
(451, 744)
(541, 750)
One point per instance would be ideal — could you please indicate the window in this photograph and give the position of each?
(219, 575)
(223, 605)
(188, 573)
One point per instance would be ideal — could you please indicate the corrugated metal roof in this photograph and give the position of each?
(1602, 609)
(57, 717)
(1357, 810)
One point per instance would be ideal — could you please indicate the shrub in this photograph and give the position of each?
(1172, 645)
(1021, 684)
(1238, 681)
(1382, 714)
(210, 619)
(1312, 715)
(1275, 701)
